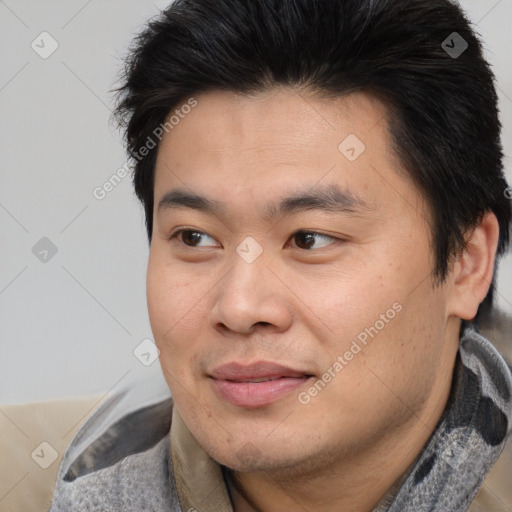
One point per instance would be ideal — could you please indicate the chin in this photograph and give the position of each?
(246, 456)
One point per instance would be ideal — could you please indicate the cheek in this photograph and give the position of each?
(169, 297)
(170, 307)
(392, 337)
(350, 295)
(161, 297)
(404, 357)
(177, 307)
(169, 290)
(350, 305)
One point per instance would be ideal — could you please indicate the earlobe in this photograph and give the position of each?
(473, 270)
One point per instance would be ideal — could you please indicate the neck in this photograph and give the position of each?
(340, 488)
(357, 483)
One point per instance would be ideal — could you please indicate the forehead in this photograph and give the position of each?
(280, 117)
(240, 147)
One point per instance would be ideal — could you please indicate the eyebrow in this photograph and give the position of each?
(327, 198)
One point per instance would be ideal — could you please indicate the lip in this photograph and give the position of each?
(234, 382)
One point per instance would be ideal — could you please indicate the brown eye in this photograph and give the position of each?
(306, 239)
(190, 237)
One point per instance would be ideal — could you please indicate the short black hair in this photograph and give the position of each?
(442, 107)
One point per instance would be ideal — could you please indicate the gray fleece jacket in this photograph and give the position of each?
(120, 459)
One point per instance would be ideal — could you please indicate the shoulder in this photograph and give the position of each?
(496, 326)
(120, 457)
(494, 495)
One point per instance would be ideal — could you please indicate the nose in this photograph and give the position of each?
(250, 296)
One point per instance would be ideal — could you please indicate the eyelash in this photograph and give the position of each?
(299, 232)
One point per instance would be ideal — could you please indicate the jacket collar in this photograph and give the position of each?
(448, 471)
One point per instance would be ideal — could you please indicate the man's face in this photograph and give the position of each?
(241, 297)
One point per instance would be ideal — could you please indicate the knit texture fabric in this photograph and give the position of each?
(120, 459)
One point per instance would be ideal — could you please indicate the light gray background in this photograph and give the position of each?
(69, 326)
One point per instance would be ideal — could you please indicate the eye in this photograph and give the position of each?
(190, 237)
(306, 239)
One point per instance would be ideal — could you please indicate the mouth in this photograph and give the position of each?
(263, 379)
(258, 384)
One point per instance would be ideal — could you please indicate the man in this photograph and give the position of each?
(325, 205)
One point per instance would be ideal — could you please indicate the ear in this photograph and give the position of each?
(472, 272)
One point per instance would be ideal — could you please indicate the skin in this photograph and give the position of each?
(302, 307)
